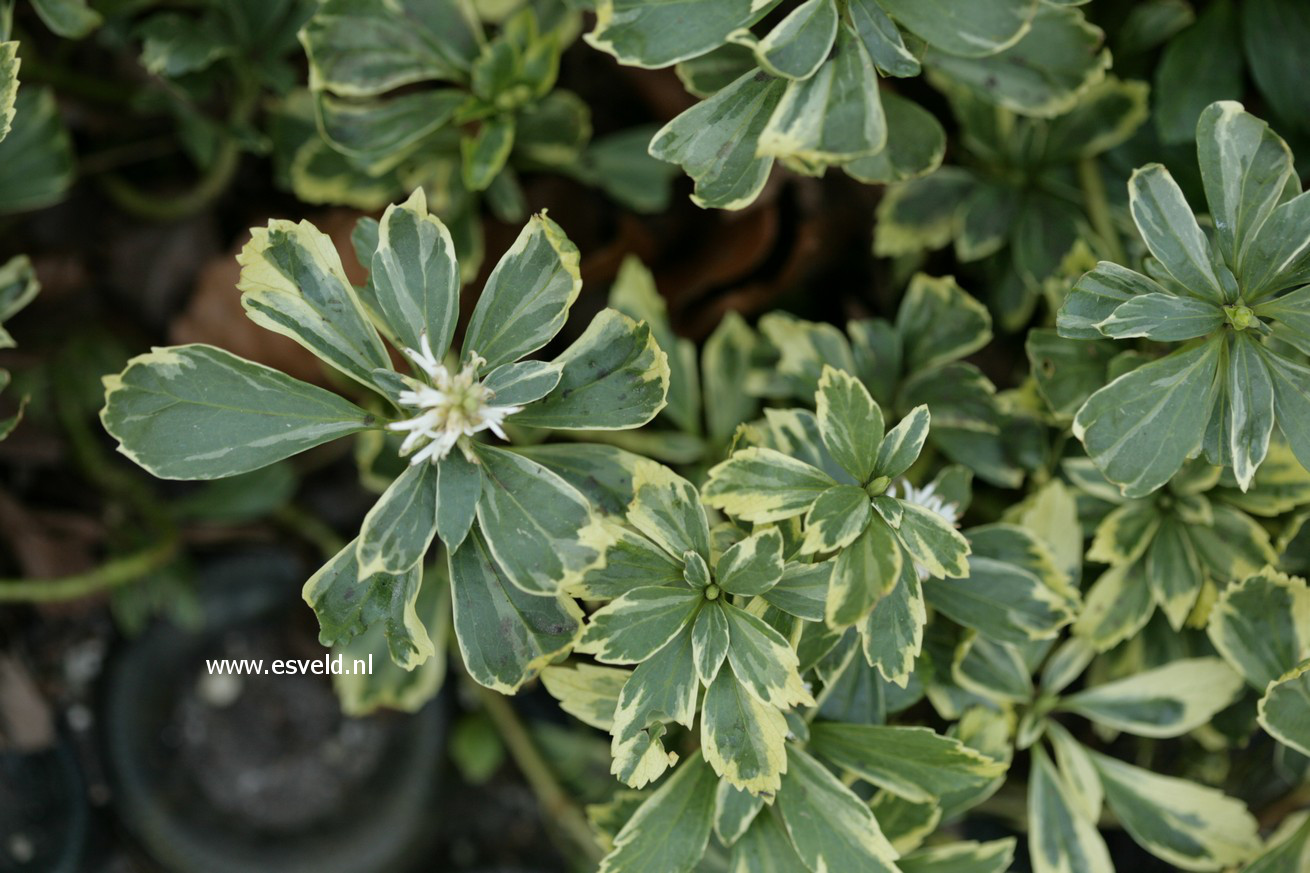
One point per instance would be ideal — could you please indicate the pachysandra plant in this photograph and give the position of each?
(515, 532)
(1014, 203)
(806, 93)
(917, 358)
(1168, 548)
(1237, 299)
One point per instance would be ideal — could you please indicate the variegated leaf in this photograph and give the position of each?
(1060, 838)
(414, 276)
(669, 832)
(292, 283)
(752, 566)
(1166, 701)
(667, 509)
(743, 738)
(831, 828)
(505, 634)
(198, 412)
(850, 422)
(527, 297)
(397, 531)
(543, 532)
(763, 661)
(838, 516)
(662, 689)
(587, 692)
(914, 763)
(1261, 625)
(635, 626)
(1284, 711)
(763, 485)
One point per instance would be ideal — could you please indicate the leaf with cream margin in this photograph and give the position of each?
(1191, 826)
(198, 412)
(1166, 701)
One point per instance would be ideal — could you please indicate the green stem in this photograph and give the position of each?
(215, 180)
(309, 528)
(1098, 208)
(109, 575)
(555, 803)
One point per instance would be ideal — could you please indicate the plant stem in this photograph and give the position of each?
(109, 575)
(1098, 208)
(215, 180)
(555, 803)
(309, 528)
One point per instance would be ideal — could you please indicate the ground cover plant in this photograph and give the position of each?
(806, 436)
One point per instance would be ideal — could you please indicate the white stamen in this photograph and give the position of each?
(455, 405)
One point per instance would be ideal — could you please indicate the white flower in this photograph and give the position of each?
(929, 500)
(451, 406)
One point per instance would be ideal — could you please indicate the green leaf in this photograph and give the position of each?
(970, 28)
(669, 832)
(397, 531)
(1161, 317)
(1097, 295)
(892, 634)
(933, 543)
(1291, 403)
(661, 689)
(1107, 115)
(1043, 74)
(763, 485)
(543, 532)
(850, 422)
(366, 47)
(292, 283)
(1284, 711)
(914, 763)
(650, 35)
(1077, 771)
(614, 377)
(920, 215)
(714, 141)
(380, 134)
(1278, 257)
(763, 661)
(415, 277)
(884, 43)
(709, 643)
(197, 412)
(173, 45)
(742, 738)
(1245, 167)
(916, 142)
(1261, 625)
(864, 572)
(802, 591)
(833, 116)
(458, 490)
(837, 517)
(18, 287)
(962, 857)
(635, 295)
(798, 44)
(992, 670)
(506, 636)
(752, 566)
(901, 446)
(1142, 426)
(1250, 403)
(527, 297)
(1173, 570)
(522, 382)
(705, 75)
(765, 848)
(347, 605)
(36, 157)
(71, 19)
(1288, 848)
(940, 322)
(1171, 233)
(1116, 606)
(638, 624)
(1271, 30)
(725, 362)
(9, 64)
(587, 692)
(390, 686)
(1060, 838)
(666, 508)
(830, 827)
(1196, 68)
(1185, 824)
(485, 153)
(1166, 701)
(1013, 591)
(1066, 372)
